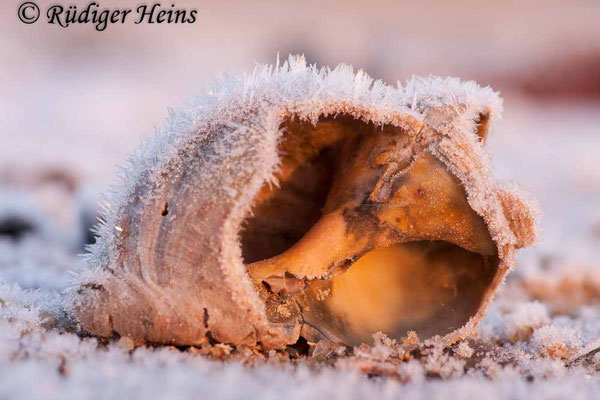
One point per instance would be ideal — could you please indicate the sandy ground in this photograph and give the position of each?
(74, 104)
(544, 316)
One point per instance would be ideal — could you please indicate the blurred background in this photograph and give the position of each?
(74, 103)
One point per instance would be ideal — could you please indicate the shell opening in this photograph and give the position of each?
(366, 232)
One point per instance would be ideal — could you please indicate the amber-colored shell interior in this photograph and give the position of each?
(366, 232)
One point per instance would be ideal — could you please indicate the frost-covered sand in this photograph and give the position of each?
(74, 102)
(542, 319)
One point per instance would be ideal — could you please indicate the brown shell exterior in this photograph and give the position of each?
(170, 266)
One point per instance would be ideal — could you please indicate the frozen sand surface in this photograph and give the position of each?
(76, 101)
(549, 149)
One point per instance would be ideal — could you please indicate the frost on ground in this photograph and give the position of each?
(536, 341)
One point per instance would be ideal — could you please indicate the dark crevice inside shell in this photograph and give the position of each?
(290, 211)
(428, 270)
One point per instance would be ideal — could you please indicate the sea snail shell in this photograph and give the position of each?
(300, 197)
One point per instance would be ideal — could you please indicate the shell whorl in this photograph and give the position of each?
(168, 267)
